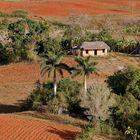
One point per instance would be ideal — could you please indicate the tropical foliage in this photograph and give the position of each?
(66, 101)
(53, 64)
(130, 82)
(84, 68)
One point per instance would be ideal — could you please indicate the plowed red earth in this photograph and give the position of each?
(72, 7)
(16, 128)
(19, 73)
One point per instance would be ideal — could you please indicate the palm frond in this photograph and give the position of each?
(64, 67)
(85, 67)
(43, 68)
(47, 68)
(92, 69)
(77, 71)
(60, 72)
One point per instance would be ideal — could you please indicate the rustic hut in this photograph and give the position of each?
(97, 48)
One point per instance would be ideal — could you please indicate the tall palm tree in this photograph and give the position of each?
(52, 64)
(84, 68)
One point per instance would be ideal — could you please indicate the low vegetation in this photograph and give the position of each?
(65, 101)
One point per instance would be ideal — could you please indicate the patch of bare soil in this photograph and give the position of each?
(16, 83)
(19, 128)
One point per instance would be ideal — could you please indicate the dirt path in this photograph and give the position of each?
(18, 128)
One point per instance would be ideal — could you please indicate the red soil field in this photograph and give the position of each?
(17, 80)
(19, 74)
(74, 7)
(17, 128)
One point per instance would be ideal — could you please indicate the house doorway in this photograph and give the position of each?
(95, 52)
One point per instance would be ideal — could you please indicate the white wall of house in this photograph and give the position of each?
(86, 53)
(101, 52)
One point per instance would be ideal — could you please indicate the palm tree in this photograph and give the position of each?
(84, 68)
(52, 64)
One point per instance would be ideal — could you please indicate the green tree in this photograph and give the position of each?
(84, 68)
(130, 82)
(45, 46)
(52, 64)
(4, 56)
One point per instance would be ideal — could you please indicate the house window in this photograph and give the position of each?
(103, 50)
(86, 51)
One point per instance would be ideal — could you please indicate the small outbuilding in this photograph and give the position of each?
(97, 48)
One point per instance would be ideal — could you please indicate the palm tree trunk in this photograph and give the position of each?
(85, 83)
(54, 84)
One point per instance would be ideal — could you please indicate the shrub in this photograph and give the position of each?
(98, 101)
(38, 98)
(20, 13)
(126, 114)
(70, 89)
(4, 56)
(101, 128)
(65, 101)
(4, 24)
(50, 45)
(17, 28)
(17, 13)
(126, 81)
(132, 29)
(132, 134)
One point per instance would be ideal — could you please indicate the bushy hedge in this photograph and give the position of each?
(4, 55)
(65, 101)
(127, 113)
(98, 101)
(23, 35)
(126, 81)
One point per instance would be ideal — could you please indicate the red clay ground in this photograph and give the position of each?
(19, 128)
(74, 7)
(16, 83)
